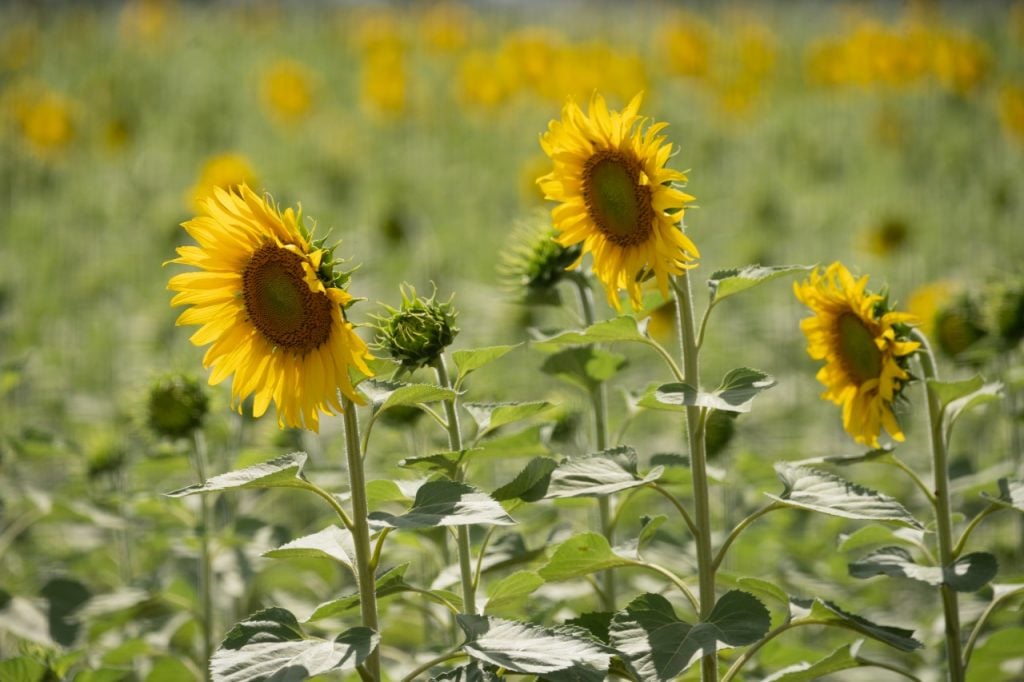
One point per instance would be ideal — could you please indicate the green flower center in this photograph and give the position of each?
(280, 304)
(616, 201)
(860, 356)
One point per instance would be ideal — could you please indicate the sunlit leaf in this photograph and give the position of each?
(559, 653)
(471, 672)
(584, 366)
(997, 654)
(735, 394)
(510, 591)
(530, 484)
(332, 542)
(876, 534)
(842, 658)
(22, 669)
(388, 394)
(821, 491)
(620, 329)
(445, 462)
(390, 582)
(725, 283)
(819, 610)
(446, 503)
(530, 442)
(472, 359)
(602, 473)
(969, 573)
(654, 643)
(489, 416)
(270, 645)
(503, 553)
(581, 555)
(280, 472)
(1011, 494)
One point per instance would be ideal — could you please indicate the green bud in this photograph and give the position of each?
(958, 327)
(1004, 311)
(417, 333)
(176, 405)
(533, 262)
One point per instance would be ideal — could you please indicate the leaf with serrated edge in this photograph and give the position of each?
(388, 394)
(622, 328)
(446, 503)
(725, 283)
(735, 394)
(534, 650)
(489, 416)
(603, 473)
(281, 472)
(390, 582)
(530, 484)
(821, 491)
(894, 562)
(739, 618)
(472, 359)
(655, 643)
(581, 555)
(820, 610)
(1011, 494)
(332, 542)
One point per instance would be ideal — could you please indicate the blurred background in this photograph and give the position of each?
(889, 135)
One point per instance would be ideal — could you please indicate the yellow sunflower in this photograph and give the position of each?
(862, 348)
(271, 308)
(616, 197)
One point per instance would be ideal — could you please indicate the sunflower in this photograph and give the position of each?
(271, 307)
(864, 350)
(616, 197)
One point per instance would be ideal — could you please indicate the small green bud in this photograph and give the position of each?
(958, 327)
(177, 405)
(533, 262)
(1004, 311)
(417, 333)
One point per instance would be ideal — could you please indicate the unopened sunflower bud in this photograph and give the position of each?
(958, 327)
(534, 262)
(177, 405)
(1004, 311)
(417, 333)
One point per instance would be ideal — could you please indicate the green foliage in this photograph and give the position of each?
(446, 503)
(735, 394)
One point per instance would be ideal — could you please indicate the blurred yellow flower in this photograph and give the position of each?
(287, 88)
(144, 22)
(226, 171)
(616, 197)
(864, 357)
(527, 58)
(1011, 109)
(686, 42)
(446, 26)
(485, 79)
(960, 62)
(927, 300)
(19, 43)
(45, 118)
(383, 82)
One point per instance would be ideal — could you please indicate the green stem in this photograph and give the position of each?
(361, 532)
(333, 502)
(437, 660)
(740, 527)
(996, 602)
(962, 542)
(667, 357)
(377, 548)
(455, 444)
(679, 507)
(749, 652)
(205, 563)
(915, 478)
(674, 579)
(943, 510)
(698, 465)
(599, 403)
(480, 556)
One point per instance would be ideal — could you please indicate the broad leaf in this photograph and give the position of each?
(821, 491)
(584, 366)
(957, 397)
(489, 416)
(735, 394)
(969, 573)
(445, 462)
(472, 359)
(1011, 494)
(560, 653)
(390, 582)
(996, 655)
(270, 645)
(619, 329)
(877, 534)
(23, 669)
(739, 618)
(332, 542)
(446, 503)
(764, 588)
(280, 472)
(530, 484)
(819, 610)
(581, 555)
(388, 394)
(606, 472)
(725, 283)
(842, 658)
(530, 442)
(654, 643)
(511, 591)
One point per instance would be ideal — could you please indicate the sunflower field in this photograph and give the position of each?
(479, 341)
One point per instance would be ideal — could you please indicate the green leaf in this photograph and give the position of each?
(969, 573)
(560, 653)
(489, 416)
(876, 534)
(739, 618)
(620, 329)
(1011, 494)
(821, 491)
(526, 443)
(446, 503)
(725, 283)
(594, 622)
(506, 551)
(530, 484)
(387, 583)
(998, 653)
(280, 472)
(581, 555)
(445, 462)
(332, 542)
(735, 394)
(22, 669)
(654, 643)
(765, 588)
(388, 394)
(842, 658)
(602, 473)
(471, 672)
(956, 397)
(511, 591)
(271, 645)
(583, 366)
(818, 610)
(64, 597)
(470, 360)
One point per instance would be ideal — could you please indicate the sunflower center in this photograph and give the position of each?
(860, 356)
(280, 304)
(616, 201)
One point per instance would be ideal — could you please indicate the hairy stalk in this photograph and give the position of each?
(361, 533)
(698, 465)
(455, 444)
(205, 562)
(599, 402)
(943, 510)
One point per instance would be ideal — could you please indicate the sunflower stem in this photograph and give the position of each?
(205, 562)
(455, 444)
(943, 511)
(599, 403)
(361, 531)
(698, 465)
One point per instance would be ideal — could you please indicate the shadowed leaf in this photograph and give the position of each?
(332, 542)
(819, 610)
(446, 503)
(1011, 494)
(530, 484)
(735, 394)
(280, 472)
(472, 359)
(584, 366)
(390, 582)
(489, 416)
(602, 473)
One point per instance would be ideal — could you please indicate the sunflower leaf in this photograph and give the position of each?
(620, 329)
(843, 658)
(470, 360)
(530, 484)
(583, 366)
(332, 542)
(489, 416)
(969, 573)
(653, 642)
(735, 394)
(820, 611)
(511, 591)
(390, 582)
(1011, 494)
(280, 472)
(445, 503)
(388, 394)
(725, 283)
(606, 472)
(581, 555)
(821, 491)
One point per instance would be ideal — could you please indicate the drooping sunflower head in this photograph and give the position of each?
(271, 307)
(864, 346)
(616, 197)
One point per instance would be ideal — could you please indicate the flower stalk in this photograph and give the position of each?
(205, 560)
